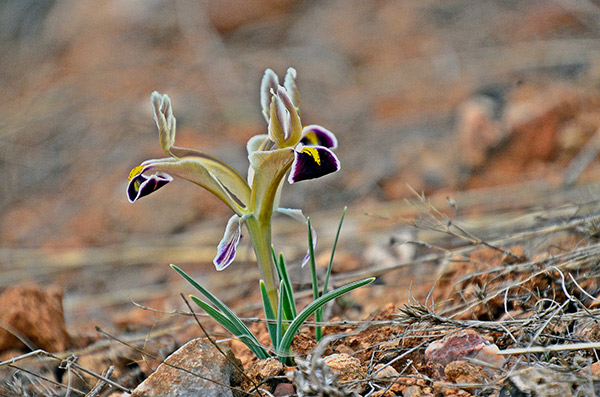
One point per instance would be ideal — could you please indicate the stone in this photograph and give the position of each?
(348, 368)
(260, 372)
(195, 369)
(385, 371)
(413, 391)
(34, 313)
(284, 389)
(466, 343)
(463, 372)
(534, 381)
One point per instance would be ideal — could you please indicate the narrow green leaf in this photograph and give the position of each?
(213, 299)
(319, 312)
(289, 292)
(286, 305)
(240, 327)
(217, 315)
(274, 256)
(248, 339)
(315, 281)
(269, 314)
(279, 331)
(286, 341)
(335, 241)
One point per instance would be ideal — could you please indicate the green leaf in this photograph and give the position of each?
(269, 315)
(279, 330)
(286, 341)
(315, 281)
(248, 339)
(240, 327)
(290, 308)
(319, 312)
(335, 241)
(286, 305)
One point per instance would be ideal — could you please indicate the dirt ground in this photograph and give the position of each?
(483, 114)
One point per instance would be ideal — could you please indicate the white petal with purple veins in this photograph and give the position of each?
(228, 246)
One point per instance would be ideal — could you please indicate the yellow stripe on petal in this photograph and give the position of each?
(312, 152)
(312, 138)
(135, 172)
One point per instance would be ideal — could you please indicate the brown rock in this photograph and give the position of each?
(594, 369)
(385, 371)
(349, 368)
(413, 391)
(464, 372)
(261, 370)
(542, 382)
(284, 389)
(35, 314)
(195, 369)
(268, 367)
(532, 120)
(467, 343)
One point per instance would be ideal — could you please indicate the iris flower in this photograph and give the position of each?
(290, 149)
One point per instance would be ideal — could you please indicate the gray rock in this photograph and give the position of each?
(195, 369)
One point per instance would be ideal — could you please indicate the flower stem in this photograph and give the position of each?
(260, 234)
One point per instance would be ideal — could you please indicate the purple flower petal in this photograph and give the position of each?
(228, 246)
(141, 185)
(312, 162)
(315, 135)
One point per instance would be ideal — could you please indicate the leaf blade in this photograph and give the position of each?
(286, 341)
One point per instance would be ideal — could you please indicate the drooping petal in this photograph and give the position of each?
(315, 135)
(290, 85)
(269, 170)
(141, 185)
(208, 174)
(312, 162)
(165, 121)
(299, 216)
(227, 176)
(228, 246)
(268, 86)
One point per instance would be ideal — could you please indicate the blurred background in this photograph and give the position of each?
(439, 96)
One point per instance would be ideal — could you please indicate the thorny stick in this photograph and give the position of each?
(101, 384)
(46, 379)
(548, 349)
(41, 352)
(444, 224)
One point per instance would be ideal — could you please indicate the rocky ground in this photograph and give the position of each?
(486, 283)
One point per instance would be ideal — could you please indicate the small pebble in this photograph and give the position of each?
(284, 389)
